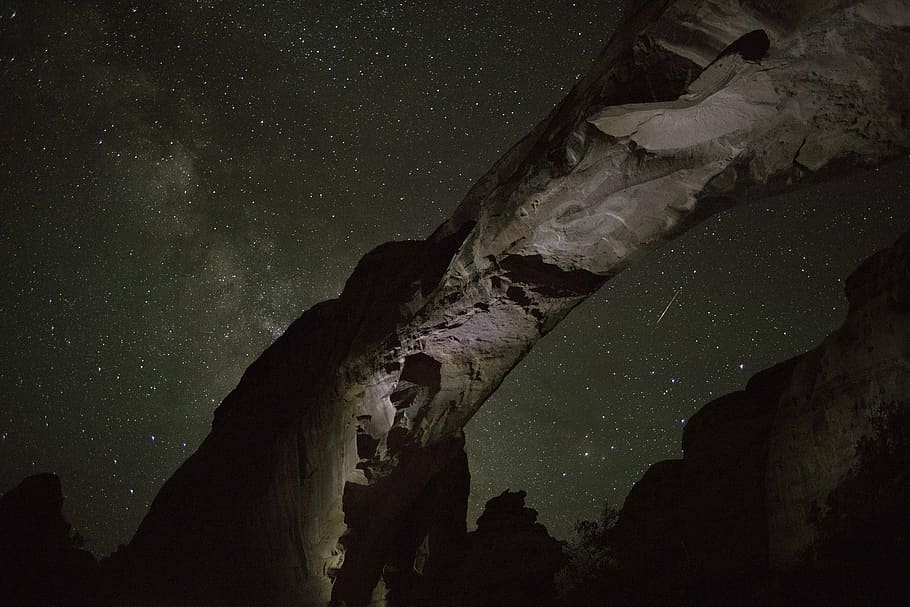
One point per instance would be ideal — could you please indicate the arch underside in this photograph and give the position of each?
(333, 434)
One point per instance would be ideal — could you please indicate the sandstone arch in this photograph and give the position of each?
(334, 432)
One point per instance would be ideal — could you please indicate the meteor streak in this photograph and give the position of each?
(662, 314)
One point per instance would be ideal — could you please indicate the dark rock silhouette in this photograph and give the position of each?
(795, 490)
(427, 555)
(510, 560)
(39, 564)
(694, 531)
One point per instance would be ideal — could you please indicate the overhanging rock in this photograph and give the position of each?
(331, 435)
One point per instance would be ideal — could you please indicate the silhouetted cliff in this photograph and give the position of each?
(795, 490)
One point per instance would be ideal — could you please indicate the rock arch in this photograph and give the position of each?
(693, 106)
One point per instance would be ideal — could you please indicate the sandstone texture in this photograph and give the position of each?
(338, 431)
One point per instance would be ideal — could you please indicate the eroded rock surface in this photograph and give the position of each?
(332, 436)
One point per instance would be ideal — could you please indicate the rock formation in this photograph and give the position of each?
(795, 490)
(40, 564)
(760, 511)
(509, 560)
(318, 456)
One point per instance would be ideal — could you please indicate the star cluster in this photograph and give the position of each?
(180, 180)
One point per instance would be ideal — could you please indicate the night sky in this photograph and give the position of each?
(180, 180)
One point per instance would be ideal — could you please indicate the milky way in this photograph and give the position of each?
(181, 180)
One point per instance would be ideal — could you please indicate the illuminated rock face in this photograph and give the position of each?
(331, 436)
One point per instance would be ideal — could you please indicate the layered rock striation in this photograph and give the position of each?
(316, 460)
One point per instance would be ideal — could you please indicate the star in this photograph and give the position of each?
(257, 177)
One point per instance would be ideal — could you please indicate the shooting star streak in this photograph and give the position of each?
(664, 313)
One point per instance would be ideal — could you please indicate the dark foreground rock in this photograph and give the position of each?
(797, 489)
(510, 560)
(39, 564)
